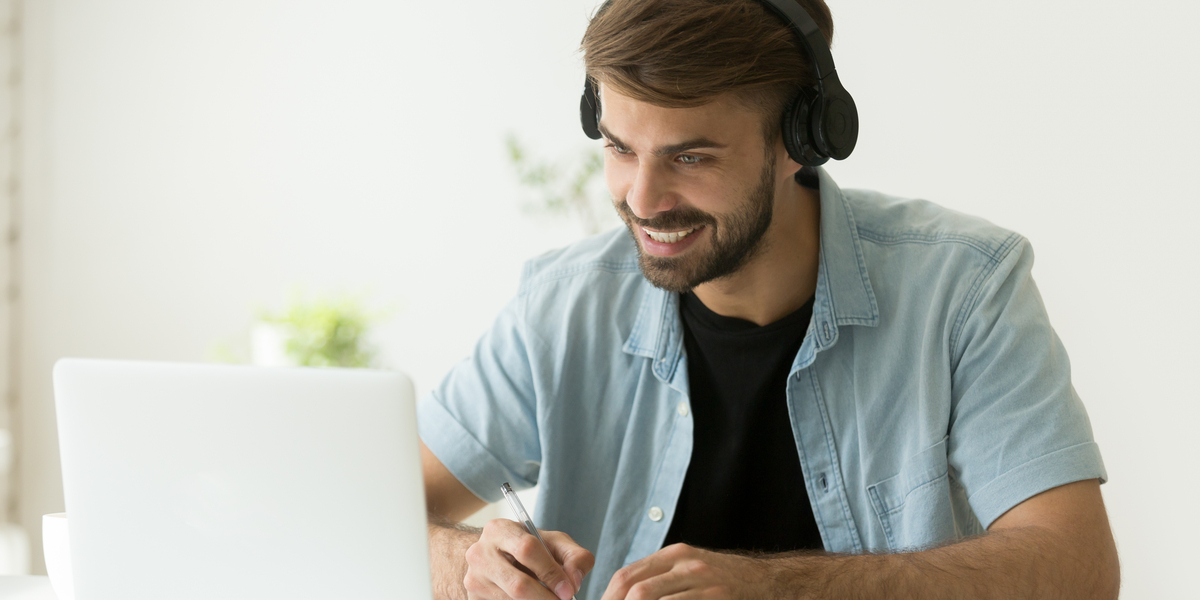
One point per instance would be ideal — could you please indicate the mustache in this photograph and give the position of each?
(679, 218)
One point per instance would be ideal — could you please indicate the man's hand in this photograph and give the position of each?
(1056, 544)
(507, 562)
(691, 572)
(500, 561)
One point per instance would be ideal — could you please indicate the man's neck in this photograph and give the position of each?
(782, 277)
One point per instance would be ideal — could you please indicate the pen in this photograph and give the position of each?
(523, 517)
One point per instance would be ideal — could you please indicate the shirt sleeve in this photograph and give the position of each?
(481, 421)
(1017, 427)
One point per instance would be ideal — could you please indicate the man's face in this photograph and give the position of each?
(695, 186)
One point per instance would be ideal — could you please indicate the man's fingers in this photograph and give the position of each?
(479, 588)
(623, 580)
(660, 586)
(528, 552)
(497, 570)
(575, 559)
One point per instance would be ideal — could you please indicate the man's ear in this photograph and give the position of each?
(784, 165)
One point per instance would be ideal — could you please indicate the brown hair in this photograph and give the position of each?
(685, 53)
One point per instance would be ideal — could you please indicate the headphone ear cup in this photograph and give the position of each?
(836, 127)
(798, 119)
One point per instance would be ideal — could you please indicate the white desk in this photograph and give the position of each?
(26, 587)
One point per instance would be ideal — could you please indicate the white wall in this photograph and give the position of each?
(191, 160)
(14, 545)
(199, 159)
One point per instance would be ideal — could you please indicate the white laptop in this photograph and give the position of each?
(203, 481)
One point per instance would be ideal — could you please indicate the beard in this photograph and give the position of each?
(733, 241)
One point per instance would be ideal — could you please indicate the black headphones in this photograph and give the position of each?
(820, 123)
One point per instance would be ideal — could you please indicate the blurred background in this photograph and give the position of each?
(172, 171)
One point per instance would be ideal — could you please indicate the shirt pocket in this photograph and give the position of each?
(914, 506)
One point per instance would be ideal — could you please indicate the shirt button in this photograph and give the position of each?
(827, 335)
(682, 409)
(656, 514)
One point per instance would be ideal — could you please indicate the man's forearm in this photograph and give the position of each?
(448, 543)
(1029, 562)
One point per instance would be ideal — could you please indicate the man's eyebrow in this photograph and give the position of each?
(670, 149)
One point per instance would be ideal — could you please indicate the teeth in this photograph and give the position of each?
(668, 237)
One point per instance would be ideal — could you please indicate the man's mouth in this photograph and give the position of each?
(668, 237)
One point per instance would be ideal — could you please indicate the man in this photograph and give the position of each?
(770, 387)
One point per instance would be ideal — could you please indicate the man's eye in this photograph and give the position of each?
(688, 159)
(618, 149)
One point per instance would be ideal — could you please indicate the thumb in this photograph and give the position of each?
(576, 560)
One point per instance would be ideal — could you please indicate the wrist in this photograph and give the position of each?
(448, 544)
(790, 577)
(812, 575)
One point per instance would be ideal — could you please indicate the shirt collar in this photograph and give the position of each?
(844, 296)
(658, 335)
(848, 296)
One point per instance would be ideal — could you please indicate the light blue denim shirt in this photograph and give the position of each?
(930, 394)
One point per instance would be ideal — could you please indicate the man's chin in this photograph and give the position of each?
(667, 273)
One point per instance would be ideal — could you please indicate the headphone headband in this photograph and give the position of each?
(810, 34)
(819, 124)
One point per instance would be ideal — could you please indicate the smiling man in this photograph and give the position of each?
(765, 386)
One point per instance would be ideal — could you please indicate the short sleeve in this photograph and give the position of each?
(481, 421)
(1017, 427)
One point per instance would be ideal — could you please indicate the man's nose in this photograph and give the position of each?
(651, 193)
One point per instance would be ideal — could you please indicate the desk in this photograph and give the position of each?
(26, 587)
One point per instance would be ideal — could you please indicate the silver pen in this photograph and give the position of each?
(523, 517)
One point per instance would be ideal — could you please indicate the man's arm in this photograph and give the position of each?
(448, 502)
(501, 560)
(1056, 544)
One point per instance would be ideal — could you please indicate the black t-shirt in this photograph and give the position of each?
(744, 488)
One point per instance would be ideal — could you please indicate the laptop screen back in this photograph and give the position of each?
(201, 481)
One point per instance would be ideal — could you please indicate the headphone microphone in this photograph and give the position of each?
(820, 123)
